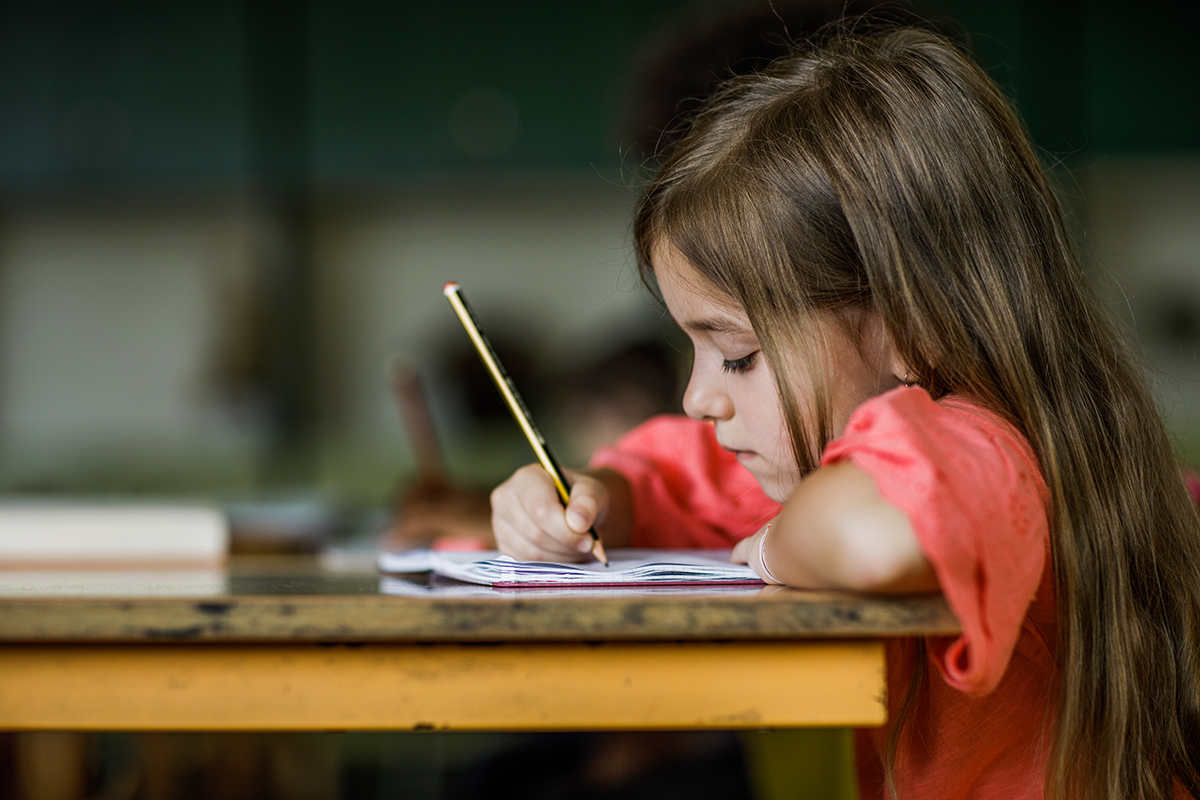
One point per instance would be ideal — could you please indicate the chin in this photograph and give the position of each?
(776, 486)
(772, 489)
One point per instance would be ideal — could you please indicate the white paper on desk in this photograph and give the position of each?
(454, 589)
(626, 568)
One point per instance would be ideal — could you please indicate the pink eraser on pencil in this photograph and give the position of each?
(450, 288)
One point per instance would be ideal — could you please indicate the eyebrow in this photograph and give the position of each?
(714, 325)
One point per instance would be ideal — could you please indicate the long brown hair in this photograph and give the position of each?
(885, 170)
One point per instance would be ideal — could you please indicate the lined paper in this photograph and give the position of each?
(628, 568)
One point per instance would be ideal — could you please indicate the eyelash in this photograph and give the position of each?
(743, 364)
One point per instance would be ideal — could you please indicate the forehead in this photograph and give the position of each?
(693, 301)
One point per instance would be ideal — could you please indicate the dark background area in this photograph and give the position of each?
(299, 126)
(330, 94)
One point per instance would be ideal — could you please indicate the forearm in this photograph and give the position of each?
(837, 532)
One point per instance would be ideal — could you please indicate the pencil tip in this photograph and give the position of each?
(598, 551)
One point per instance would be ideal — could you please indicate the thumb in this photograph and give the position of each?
(581, 513)
(584, 504)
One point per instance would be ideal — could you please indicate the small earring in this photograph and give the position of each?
(905, 380)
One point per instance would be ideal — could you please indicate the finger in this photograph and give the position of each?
(511, 524)
(524, 542)
(548, 528)
(529, 518)
(587, 502)
(741, 551)
(526, 550)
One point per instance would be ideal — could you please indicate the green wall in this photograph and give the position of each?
(334, 93)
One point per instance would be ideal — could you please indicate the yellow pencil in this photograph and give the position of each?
(515, 404)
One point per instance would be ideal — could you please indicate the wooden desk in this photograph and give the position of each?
(280, 644)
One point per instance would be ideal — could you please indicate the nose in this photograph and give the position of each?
(705, 397)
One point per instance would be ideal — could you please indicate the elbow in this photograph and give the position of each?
(882, 576)
(844, 535)
(880, 559)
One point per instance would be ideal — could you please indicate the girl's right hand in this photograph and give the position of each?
(531, 524)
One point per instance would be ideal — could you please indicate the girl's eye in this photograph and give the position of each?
(742, 364)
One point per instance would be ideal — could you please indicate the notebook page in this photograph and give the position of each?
(627, 567)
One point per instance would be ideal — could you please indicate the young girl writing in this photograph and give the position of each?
(893, 339)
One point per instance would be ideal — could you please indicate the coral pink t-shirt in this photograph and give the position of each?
(687, 490)
(973, 491)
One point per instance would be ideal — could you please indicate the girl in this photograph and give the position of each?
(894, 339)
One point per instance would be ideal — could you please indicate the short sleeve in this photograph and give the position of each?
(974, 493)
(687, 491)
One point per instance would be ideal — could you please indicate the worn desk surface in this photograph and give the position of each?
(283, 643)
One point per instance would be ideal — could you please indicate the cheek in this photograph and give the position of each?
(771, 427)
(769, 409)
(777, 444)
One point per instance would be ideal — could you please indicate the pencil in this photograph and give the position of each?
(515, 404)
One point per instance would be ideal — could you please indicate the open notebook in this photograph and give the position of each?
(627, 568)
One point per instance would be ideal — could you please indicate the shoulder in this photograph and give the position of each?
(972, 488)
(954, 432)
(677, 451)
(911, 406)
(670, 435)
(687, 491)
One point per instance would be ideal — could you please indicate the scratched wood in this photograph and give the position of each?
(293, 600)
(544, 686)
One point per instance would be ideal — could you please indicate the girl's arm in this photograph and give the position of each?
(531, 524)
(837, 532)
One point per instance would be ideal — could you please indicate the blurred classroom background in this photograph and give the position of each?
(220, 221)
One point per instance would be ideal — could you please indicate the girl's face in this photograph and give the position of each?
(732, 386)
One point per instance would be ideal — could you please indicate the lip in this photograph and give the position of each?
(741, 455)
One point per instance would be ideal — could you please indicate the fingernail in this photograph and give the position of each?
(577, 521)
(584, 545)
